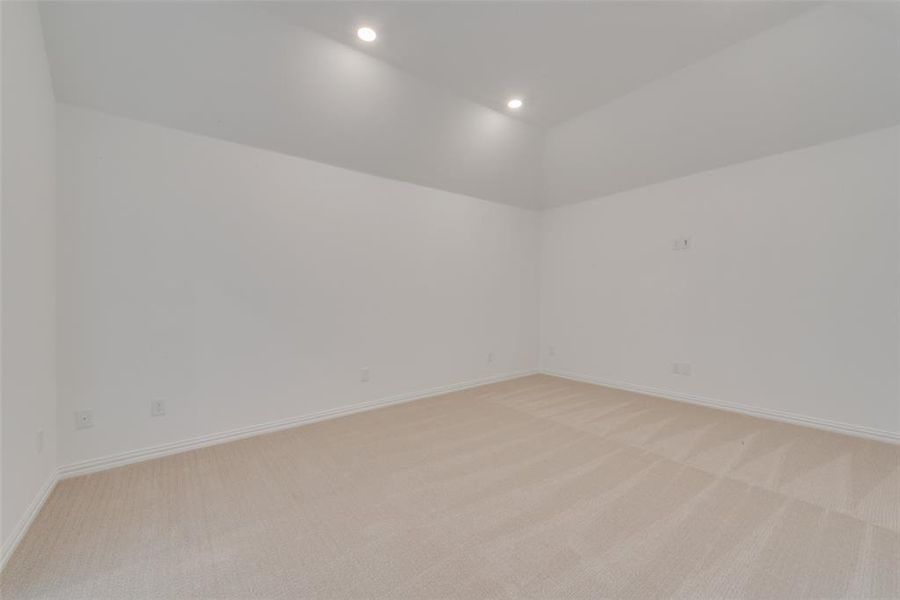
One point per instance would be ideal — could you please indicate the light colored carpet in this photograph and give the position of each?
(532, 488)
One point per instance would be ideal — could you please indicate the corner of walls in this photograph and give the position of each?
(787, 303)
(281, 279)
(31, 512)
(28, 314)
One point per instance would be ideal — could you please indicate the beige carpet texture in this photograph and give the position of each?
(537, 487)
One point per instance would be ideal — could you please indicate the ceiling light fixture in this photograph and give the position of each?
(366, 34)
(514, 103)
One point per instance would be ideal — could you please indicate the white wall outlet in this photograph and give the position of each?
(157, 408)
(551, 350)
(681, 244)
(40, 441)
(364, 375)
(490, 357)
(681, 368)
(84, 419)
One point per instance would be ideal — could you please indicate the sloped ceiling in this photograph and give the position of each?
(237, 72)
(618, 94)
(827, 74)
(564, 58)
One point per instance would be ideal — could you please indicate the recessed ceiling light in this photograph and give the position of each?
(366, 34)
(514, 103)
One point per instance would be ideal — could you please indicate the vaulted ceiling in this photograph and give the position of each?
(564, 58)
(617, 94)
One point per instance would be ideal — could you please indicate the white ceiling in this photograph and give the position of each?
(236, 72)
(564, 58)
(827, 74)
(618, 94)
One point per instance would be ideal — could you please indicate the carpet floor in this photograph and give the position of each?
(537, 487)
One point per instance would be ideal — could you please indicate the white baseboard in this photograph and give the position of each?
(872, 433)
(24, 523)
(132, 456)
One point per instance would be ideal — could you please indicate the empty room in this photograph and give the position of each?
(450, 300)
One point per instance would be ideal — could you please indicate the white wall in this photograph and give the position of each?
(826, 74)
(787, 301)
(244, 286)
(28, 267)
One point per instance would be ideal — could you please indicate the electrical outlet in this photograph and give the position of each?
(364, 375)
(40, 441)
(84, 419)
(681, 244)
(551, 350)
(157, 408)
(681, 368)
(490, 358)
